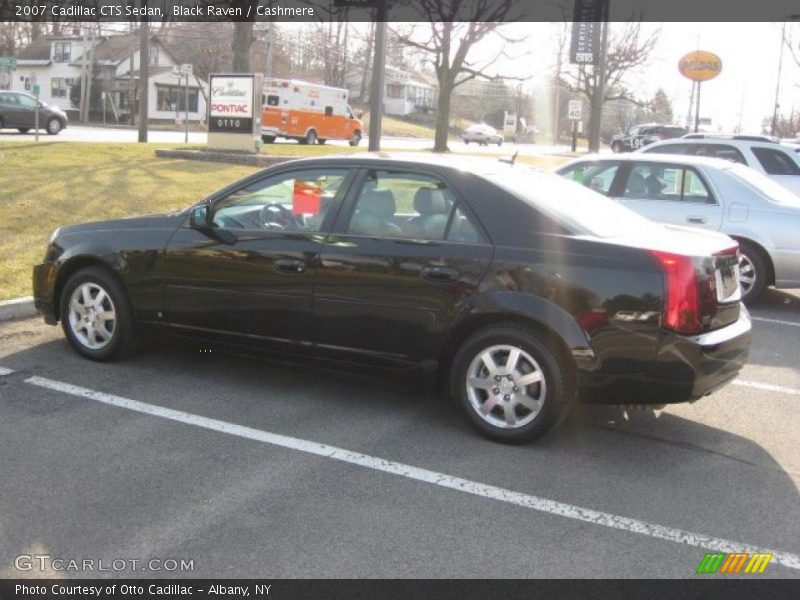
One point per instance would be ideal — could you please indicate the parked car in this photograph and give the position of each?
(642, 135)
(713, 194)
(18, 111)
(521, 290)
(766, 155)
(483, 134)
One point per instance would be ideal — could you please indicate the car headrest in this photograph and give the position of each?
(379, 203)
(636, 184)
(429, 202)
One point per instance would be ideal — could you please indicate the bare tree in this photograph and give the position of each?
(628, 48)
(454, 27)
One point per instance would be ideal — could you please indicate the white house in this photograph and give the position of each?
(56, 64)
(404, 92)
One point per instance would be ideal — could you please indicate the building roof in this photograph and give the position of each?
(39, 49)
(113, 49)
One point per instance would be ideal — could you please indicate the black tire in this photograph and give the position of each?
(499, 143)
(2, 124)
(311, 137)
(23, 129)
(616, 147)
(268, 139)
(356, 139)
(54, 126)
(751, 259)
(466, 142)
(122, 337)
(558, 392)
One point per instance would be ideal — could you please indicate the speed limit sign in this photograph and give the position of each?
(575, 110)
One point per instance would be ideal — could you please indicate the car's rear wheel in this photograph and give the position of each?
(499, 142)
(752, 272)
(616, 147)
(356, 139)
(466, 142)
(54, 126)
(511, 383)
(23, 129)
(311, 137)
(96, 315)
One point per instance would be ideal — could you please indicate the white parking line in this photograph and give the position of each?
(467, 486)
(4, 371)
(767, 387)
(776, 321)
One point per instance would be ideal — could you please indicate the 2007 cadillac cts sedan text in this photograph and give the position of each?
(523, 291)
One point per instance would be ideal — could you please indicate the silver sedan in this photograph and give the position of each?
(711, 193)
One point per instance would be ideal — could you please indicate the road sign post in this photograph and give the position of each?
(575, 114)
(36, 92)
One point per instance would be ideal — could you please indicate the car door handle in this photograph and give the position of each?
(290, 265)
(694, 219)
(439, 274)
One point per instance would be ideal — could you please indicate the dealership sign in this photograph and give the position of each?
(231, 106)
(700, 65)
(587, 19)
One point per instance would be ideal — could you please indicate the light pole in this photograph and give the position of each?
(378, 67)
(778, 83)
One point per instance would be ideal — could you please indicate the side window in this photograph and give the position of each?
(694, 189)
(775, 162)
(402, 205)
(294, 201)
(666, 182)
(596, 176)
(654, 182)
(720, 151)
(26, 101)
(462, 229)
(328, 111)
(272, 100)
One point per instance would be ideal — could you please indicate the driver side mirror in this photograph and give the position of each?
(198, 218)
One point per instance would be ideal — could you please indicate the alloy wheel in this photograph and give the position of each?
(747, 273)
(505, 386)
(92, 316)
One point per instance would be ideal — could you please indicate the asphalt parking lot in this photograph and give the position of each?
(249, 468)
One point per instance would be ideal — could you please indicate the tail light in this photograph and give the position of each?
(682, 302)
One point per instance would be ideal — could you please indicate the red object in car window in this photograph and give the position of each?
(305, 198)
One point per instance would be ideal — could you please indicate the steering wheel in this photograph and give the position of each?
(275, 216)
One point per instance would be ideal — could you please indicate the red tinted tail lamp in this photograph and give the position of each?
(681, 305)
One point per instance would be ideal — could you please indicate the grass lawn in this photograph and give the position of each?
(49, 184)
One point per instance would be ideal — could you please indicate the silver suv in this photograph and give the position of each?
(769, 156)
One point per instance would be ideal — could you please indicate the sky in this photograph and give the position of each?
(747, 84)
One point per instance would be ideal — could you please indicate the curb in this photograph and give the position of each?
(238, 158)
(18, 308)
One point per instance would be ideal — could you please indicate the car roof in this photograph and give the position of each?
(474, 164)
(687, 159)
(746, 141)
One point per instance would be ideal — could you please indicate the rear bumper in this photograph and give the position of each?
(685, 368)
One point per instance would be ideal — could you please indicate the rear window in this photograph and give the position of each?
(573, 206)
(775, 162)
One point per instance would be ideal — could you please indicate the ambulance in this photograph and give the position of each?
(307, 112)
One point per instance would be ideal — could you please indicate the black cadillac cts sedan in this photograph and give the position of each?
(523, 291)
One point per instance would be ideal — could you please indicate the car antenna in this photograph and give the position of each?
(510, 160)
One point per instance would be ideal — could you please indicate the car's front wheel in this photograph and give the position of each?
(616, 147)
(96, 315)
(511, 384)
(752, 272)
(54, 126)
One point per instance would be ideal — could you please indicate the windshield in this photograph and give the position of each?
(769, 188)
(573, 206)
